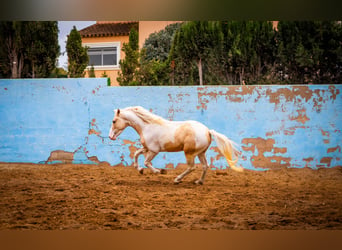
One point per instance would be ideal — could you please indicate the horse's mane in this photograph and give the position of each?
(145, 115)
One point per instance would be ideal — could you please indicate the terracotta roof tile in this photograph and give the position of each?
(108, 29)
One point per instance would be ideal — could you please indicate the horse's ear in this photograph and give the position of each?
(118, 112)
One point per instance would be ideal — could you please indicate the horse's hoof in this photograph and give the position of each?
(176, 182)
(141, 171)
(163, 171)
(199, 182)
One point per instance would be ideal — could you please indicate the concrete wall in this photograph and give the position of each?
(52, 120)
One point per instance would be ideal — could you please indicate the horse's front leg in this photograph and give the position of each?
(136, 156)
(148, 158)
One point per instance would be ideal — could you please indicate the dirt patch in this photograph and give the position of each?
(61, 156)
(67, 196)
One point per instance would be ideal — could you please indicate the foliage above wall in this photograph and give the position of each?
(77, 54)
(28, 49)
(244, 52)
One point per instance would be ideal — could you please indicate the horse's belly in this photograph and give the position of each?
(160, 139)
(185, 138)
(171, 146)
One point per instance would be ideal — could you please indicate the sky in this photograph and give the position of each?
(64, 29)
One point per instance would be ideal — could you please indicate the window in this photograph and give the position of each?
(106, 56)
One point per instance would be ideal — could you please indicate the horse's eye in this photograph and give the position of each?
(113, 122)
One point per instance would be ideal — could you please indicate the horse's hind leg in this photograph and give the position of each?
(205, 166)
(190, 159)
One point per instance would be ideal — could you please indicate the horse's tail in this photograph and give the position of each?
(227, 149)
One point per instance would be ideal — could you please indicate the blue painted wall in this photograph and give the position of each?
(275, 126)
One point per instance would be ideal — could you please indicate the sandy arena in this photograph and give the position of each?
(95, 197)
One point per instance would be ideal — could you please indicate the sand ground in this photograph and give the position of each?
(67, 196)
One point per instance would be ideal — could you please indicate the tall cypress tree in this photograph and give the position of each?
(310, 51)
(77, 54)
(249, 50)
(42, 48)
(129, 65)
(12, 47)
(195, 40)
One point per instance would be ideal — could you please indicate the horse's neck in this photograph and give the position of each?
(136, 123)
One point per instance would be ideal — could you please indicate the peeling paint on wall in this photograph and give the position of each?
(275, 126)
(259, 146)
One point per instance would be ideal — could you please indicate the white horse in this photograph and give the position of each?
(160, 135)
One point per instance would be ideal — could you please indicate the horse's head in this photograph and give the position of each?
(118, 125)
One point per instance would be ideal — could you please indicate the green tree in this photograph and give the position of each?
(182, 67)
(28, 49)
(264, 45)
(310, 51)
(249, 50)
(158, 45)
(330, 57)
(129, 65)
(153, 72)
(91, 72)
(77, 54)
(239, 50)
(13, 48)
(254, 52)
(59, 73)
(10, 49)
(155, 68)
(294, 54)
(195, 41)
(42, 48)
